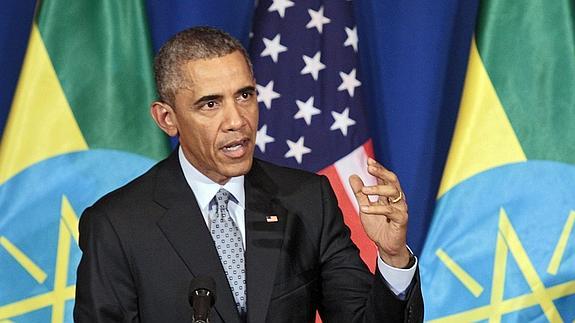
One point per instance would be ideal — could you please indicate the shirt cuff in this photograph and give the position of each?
(398, 279)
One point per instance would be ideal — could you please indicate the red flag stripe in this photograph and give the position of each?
(354, 163)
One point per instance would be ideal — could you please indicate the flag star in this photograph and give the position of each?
(348, 82)
(280, 6)
(273, 48)
(306, 110)
(341, 121)
(317, 19)
(262, 138)
(312, 65)
(297, 149)
(266, 94)
(351, 38)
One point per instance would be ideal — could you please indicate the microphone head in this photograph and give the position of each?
(204, 284)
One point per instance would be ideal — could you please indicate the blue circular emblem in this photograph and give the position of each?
(40, 207)
(502, 247)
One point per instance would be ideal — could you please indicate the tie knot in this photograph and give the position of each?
(222, 197)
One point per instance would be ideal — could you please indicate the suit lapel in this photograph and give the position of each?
(265, 224)
(184, 226)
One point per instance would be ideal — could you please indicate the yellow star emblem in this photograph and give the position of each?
(62, 292)
(508, 240)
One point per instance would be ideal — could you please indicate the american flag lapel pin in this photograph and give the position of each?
(272, 218)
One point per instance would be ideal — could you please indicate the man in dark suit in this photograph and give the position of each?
(143, 243)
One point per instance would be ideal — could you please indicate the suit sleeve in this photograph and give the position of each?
(105, 289)
(350, 292)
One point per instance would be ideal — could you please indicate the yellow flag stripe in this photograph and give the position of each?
(41, 124)
(62, 262)
(70, 218)
(33, 303)
(483, 137)
(471, 284)
(561, 245)
(498, 282)
(34, 270)
(529, 272)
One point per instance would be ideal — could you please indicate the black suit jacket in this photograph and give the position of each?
(143, 243)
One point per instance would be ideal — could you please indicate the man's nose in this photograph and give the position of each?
(234, 116)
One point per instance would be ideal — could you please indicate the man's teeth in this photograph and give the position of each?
(233, 148)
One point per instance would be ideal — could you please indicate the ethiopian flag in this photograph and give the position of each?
(501, 247)
(78, 127)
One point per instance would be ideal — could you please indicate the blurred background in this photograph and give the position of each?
(470, 103)
(412, 55)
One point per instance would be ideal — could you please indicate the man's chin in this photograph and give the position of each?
(238, 169)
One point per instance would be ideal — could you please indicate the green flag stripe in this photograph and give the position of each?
(102, 55)
(528, 48)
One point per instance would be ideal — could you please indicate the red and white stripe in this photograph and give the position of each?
(338, 174)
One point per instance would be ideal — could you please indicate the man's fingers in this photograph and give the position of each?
(357, 185)
(381, 190)
(377, 209)
(383, 175)
(388, 211)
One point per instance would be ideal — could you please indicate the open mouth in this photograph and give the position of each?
(236, 148)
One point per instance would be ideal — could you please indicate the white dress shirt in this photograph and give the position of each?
(205, 189)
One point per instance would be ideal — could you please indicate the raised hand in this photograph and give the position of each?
(384, 217)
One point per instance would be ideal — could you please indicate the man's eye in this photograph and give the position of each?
(246, 95)
(210, 104)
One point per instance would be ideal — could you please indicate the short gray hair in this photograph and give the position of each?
(188, 45)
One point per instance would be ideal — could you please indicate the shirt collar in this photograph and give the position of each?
(205, 189)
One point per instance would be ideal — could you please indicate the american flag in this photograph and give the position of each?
(309, 88)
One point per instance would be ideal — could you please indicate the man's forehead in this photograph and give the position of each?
(219, 72)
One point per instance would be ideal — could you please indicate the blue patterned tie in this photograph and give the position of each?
(228, 241)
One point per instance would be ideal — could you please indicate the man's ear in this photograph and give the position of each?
(164, 116)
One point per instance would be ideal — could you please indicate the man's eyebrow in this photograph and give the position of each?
(206, 98)
(246, 89)
(214, 97)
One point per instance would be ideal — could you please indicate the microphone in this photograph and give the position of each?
(202, 297)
